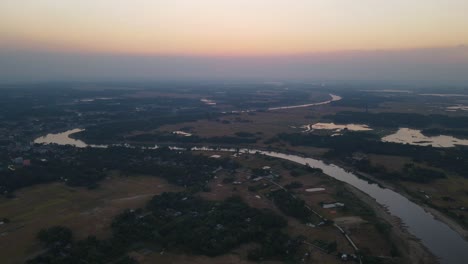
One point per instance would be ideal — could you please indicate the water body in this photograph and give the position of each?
(457, 108)
(208, 101)
(415, 137)
(442, 241)
(335, 127)
(182, 133)
(387, 91)
(333, 98)
(446, 95)
(65, 139)
(87, 100)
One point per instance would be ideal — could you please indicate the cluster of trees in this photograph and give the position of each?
(20, 103)
(418, 174)
(293, 185)
(61, 248)
(297, 170)
(38, 173)
(409, 173)
(290, 205)
(347, 142)
(258, 172)
(211, 228)
(276, 244)
(395, 120)
(258, 187)
(444, 131)
(117, 129)
(245, 134)
(177, 221)
(169, 137)
(86, 167)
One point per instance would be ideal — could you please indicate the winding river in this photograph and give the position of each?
(439, 238)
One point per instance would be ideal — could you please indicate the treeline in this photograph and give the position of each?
(244, 98)
(86, 167)
(444, 131)
(395, 120)
(360, 100)
(409, 173)
(342, 147)
(38, 173)
(169, 137)
(415, 174)
(297, 170)
(115, 130)
(178, 221)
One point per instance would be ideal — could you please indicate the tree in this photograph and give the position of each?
(55, 237)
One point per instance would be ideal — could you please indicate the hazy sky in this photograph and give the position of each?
(56, 39)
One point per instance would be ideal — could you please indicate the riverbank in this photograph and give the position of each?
(67, 138)
(435, 235)
(434, 212)
(409, 247)
(402, 235)
(448, 221)
(398, 189)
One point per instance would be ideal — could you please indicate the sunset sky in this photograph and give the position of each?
(240, 28)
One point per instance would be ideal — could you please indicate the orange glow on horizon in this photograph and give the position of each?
(231, 28)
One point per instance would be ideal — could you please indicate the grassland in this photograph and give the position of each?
(86, 212)
(90, 212)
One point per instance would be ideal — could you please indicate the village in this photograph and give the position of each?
(300, 193)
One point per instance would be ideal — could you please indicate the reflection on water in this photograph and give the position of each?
(415, 137)
(442, 241)
(335, 127)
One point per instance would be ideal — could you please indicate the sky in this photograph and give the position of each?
(216, 39)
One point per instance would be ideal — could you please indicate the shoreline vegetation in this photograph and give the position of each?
(441, 216)
(436, 213)
(399, 232)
